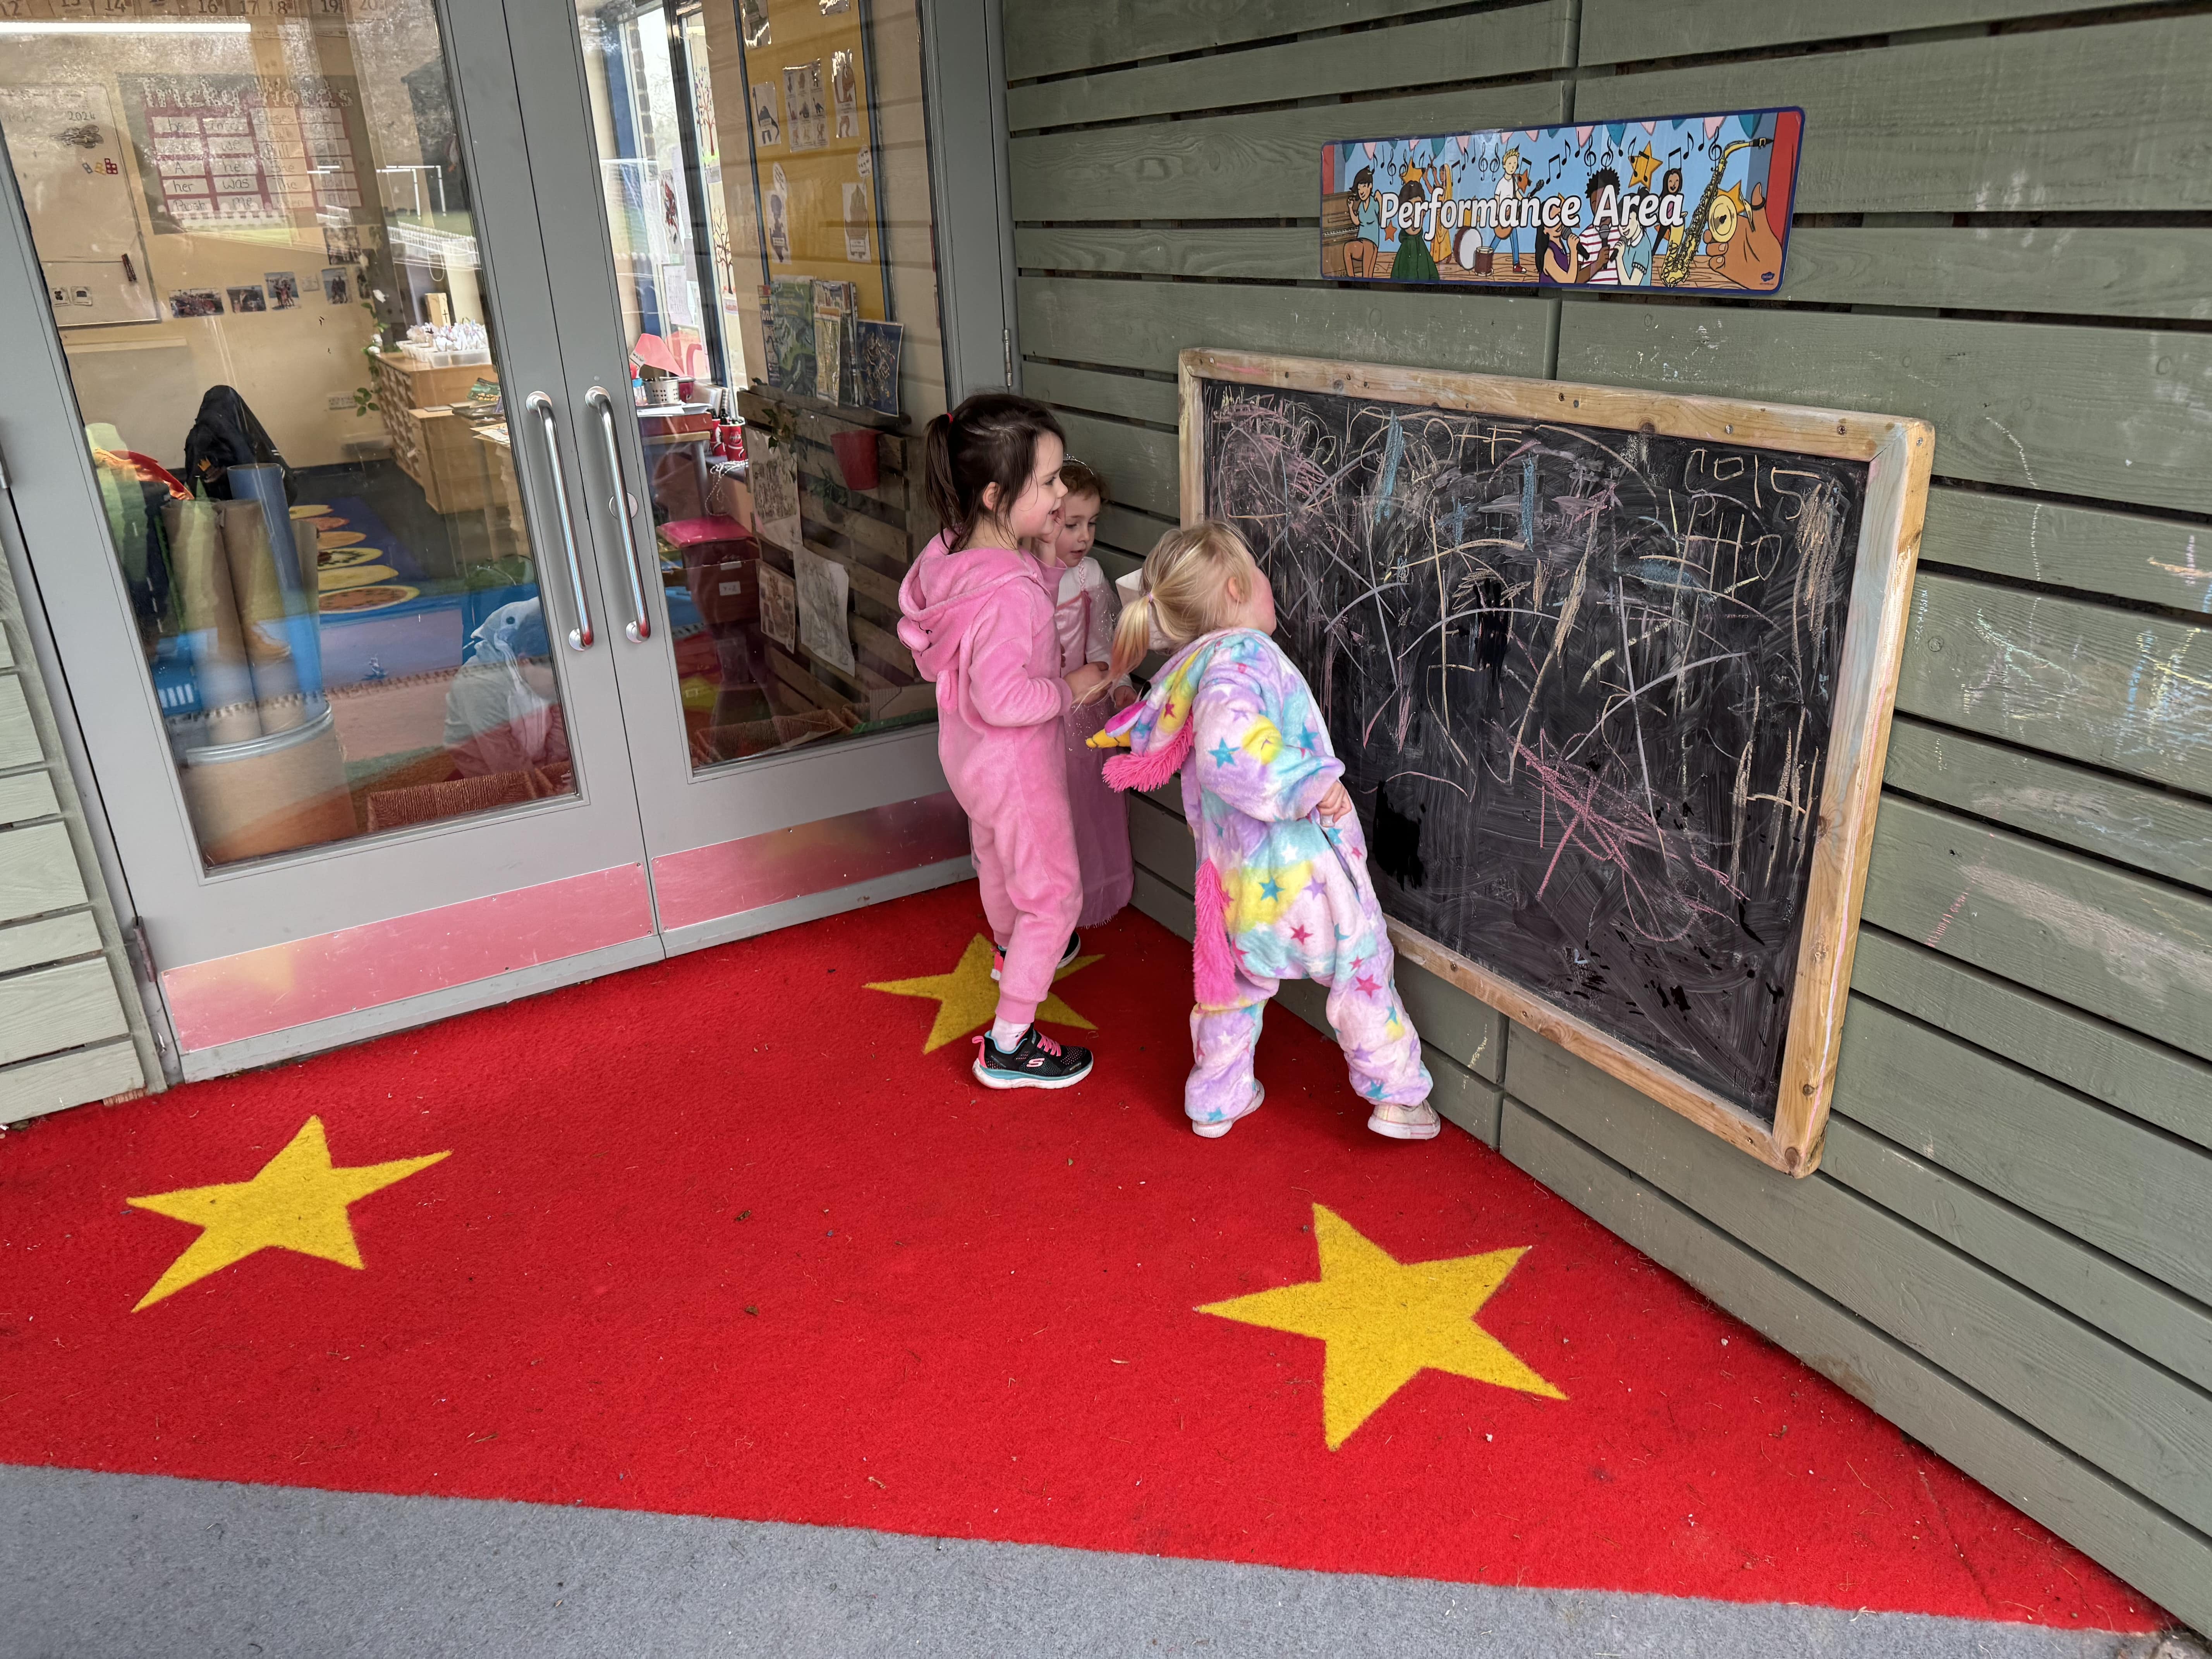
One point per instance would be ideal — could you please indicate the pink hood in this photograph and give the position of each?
(943, 593)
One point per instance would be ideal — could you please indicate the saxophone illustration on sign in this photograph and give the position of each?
(1682, 203)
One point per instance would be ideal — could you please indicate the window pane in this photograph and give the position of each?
(260, 250)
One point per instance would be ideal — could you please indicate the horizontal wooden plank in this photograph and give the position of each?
(1131, 531)
(2135, 1420)
(2111, 688)
(1462, 1098)
(2137, 951)
(1115, 564)
(2122, 554)
(1130, 397)
(1160, 841)
(1625, 30)
(1053, 37)
(862, 529)
(19, 737)
(27, 943)
(54, 1008)
(1266, 165)
(1291, 252)
(2090, 120)
(2129, 428)
(1485, 45)
(2106, 270)
(2136, 1539)
(74, 1079)
(864, 580)
(2146, 1079)
(2103, 1177)
(1145, 324)
(2131, 1307)
(28, 795)
(38, 871)
(2154, 830)
(1140, 464)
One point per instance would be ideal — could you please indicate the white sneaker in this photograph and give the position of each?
(1416, 1122)
(1221, 1126)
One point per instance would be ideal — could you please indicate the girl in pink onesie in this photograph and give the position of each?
(976, 612)
(1085, 618)
(1282, 885)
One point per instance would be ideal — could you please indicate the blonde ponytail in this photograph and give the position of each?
(1133, 637)
(1185, 591)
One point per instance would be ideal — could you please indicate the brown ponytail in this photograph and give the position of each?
(990, 439)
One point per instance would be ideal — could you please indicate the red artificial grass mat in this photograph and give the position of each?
(716, 1238)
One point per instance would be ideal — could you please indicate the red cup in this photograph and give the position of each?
(856, 458)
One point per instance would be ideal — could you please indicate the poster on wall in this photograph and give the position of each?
(1691, 202)
(283, 288)
(816, 205)
(68, 155)
(775, 479)
(246, 149)
(768, 118)
(824, 585)
(805, 126)
(779, 607)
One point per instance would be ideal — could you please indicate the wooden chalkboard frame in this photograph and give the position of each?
(1900, 454)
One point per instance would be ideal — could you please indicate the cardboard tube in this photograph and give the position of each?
(257, 581)
(208, 612)
(302, 624)
(250, 799)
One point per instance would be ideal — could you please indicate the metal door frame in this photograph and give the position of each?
(797, 811)
(399, 875)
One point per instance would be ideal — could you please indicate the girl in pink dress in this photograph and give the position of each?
(1083, 615)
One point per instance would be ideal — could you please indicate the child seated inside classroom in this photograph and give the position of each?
(1282, 887)
(1084, 616)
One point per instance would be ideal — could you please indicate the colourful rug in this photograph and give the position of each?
(729, 1236)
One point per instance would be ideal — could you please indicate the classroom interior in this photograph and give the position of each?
(264, 259)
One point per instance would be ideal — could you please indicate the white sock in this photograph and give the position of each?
(1005, 1037)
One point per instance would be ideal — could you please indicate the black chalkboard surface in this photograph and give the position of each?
(1589, 657)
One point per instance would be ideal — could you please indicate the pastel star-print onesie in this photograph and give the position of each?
(1280, 896)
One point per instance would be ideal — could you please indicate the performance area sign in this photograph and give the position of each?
(1687, 202)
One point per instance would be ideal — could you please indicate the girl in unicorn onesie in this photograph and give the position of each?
(977, 613)
(1282, 885)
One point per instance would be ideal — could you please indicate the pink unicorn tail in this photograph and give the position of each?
(1154, 767)
(1212, 966)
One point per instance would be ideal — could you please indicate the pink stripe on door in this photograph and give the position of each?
(732, 876)
(280, 985)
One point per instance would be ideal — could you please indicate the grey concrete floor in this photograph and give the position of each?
(108, 1566)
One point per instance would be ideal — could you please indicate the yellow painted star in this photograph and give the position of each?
(968, 997)
(297, 1202)
(1385, 1321)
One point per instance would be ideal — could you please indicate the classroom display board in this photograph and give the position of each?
(810, 106)
(1611, 674)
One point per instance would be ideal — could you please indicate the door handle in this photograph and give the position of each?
(640, 626)
(580, 636)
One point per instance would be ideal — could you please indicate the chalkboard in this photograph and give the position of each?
(1611, 674)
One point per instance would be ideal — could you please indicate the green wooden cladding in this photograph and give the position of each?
(2007, 1249)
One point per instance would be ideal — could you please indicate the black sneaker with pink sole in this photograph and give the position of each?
(1036, 1062)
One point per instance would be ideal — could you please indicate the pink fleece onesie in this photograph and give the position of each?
(979, 625)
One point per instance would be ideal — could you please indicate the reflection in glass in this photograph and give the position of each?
(259, 251)
(780, 560)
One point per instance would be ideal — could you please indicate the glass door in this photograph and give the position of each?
(302, 477)
(753, 243)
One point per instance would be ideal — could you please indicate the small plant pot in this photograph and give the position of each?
(856, 458)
